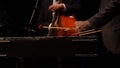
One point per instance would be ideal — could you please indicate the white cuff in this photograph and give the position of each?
(64, 7)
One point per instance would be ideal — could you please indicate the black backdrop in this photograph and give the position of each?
(19, 10)
(19, 13)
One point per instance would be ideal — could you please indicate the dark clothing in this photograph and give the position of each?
(108, 19)
(87, 9)
(45, 15)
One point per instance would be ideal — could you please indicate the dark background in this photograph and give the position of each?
(17, 14)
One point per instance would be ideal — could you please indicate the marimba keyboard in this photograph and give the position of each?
(48, 46)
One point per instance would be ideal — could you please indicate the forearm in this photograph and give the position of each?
(106, 14)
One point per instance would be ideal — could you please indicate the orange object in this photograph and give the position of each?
(67, 22)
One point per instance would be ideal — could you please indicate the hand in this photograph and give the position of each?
(55, 7)
(82, 25)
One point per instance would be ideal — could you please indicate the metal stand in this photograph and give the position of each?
(36, 6)
(31, 18)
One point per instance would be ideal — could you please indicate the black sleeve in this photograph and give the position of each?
(111, 9)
